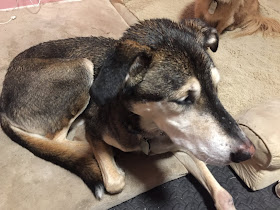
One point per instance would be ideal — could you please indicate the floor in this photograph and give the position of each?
(186, 193)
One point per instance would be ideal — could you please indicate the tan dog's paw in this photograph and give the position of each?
(223, 200)
(115, 183)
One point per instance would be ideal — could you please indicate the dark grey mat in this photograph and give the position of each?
(187, 193)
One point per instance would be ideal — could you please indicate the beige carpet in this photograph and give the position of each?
(249, 66)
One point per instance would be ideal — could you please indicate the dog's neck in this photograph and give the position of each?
(132, 125)
(132, 132)
(131, 122)
(123, 125)
(152, 139)
(136, 127)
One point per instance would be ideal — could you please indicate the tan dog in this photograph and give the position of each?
(229, 15)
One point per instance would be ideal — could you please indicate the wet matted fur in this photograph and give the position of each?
(157, 84)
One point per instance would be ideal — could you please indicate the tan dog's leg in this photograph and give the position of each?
(223, 200)
(113, 176)
(223, 24)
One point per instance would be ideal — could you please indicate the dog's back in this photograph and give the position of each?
(92, 48)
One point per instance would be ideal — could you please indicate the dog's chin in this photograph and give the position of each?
(206, 159)
(213, 161)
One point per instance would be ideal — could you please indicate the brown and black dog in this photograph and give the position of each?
(157, 84)
(231, 14)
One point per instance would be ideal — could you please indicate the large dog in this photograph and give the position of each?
(232, 14)
(155, 86)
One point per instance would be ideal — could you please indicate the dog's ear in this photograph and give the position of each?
(205, 34)
(128, 56)
(211, 39)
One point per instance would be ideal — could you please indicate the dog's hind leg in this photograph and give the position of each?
(223, 24)
(113, 176)
(223, 200)
(75, 156)
(39, 102)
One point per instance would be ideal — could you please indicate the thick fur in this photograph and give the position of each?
(232, 14)
(157, 82)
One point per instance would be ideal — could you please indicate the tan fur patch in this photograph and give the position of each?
(111, 141)
(66, 150)
(77, 109)
(113, 176)
(215, 76)
(191, 84)
(73, 154)
(89, 65)
(133, 45)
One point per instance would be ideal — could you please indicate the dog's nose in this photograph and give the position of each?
(244, 152)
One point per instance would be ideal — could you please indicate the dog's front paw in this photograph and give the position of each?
(223, 200)
(115, 182)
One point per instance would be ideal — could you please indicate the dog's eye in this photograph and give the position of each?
(187, 100)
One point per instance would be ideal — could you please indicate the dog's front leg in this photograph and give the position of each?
(224, 24)
(113, 176)
(223, 200)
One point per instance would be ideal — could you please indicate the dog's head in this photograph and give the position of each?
(167, 77)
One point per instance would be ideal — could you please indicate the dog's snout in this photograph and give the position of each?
(244, 152)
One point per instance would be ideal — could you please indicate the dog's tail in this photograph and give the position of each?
(72, 155)
(258, 23)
